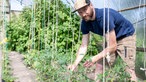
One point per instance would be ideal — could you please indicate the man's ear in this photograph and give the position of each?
(91, 5)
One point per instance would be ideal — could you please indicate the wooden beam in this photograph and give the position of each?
(140, 49)
(130, 8)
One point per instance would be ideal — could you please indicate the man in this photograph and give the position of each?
(117, 30)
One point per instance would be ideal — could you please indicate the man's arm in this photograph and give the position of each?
(81, 51)
(111, 47)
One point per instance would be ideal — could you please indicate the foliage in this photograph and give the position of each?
(140, 57)
(6, 74)
(140, 64)
(42, 27)
(116, 72)
(52, 66)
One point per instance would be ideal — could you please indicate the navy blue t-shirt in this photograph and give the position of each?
(113, 20)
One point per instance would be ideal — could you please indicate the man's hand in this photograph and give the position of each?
(88, 63)
(72, 67)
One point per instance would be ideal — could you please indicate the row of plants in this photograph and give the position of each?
(36, 27)
(6, 70)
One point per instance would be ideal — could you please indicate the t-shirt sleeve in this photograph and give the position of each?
(84, 27)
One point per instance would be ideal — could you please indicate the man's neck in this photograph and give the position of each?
(93, 17)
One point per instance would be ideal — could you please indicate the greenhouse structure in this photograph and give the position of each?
(39, 39)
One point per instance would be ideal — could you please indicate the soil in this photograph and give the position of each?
(19, 69)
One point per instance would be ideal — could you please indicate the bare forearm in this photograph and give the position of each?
(111, 47)
(103, 53)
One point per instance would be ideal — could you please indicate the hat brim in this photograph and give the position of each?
(78, 9)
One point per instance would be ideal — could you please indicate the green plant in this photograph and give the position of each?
(116, 73)
(52, 66)
(6, 74)
(37, 29)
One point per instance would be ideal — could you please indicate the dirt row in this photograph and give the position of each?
(19, 70)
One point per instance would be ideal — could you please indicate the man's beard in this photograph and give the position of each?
(89, 17)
